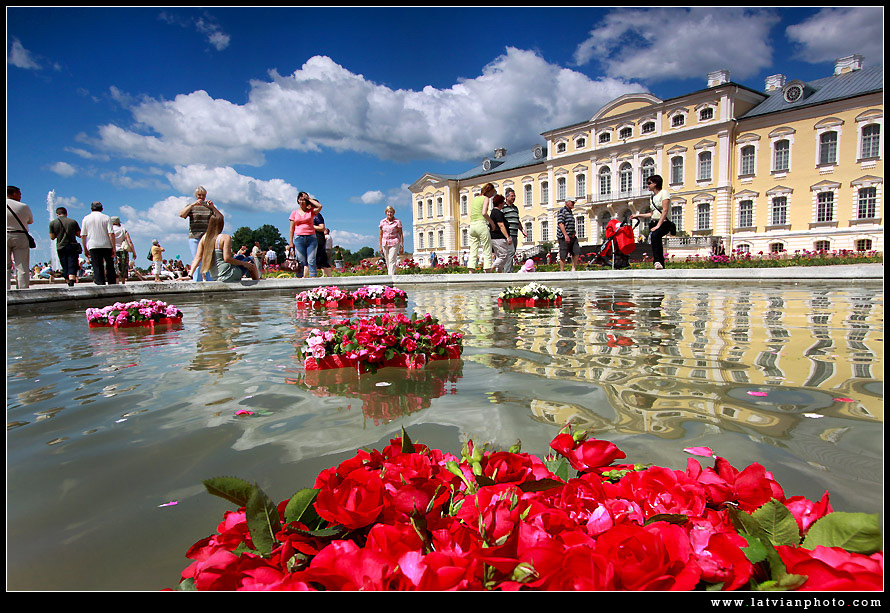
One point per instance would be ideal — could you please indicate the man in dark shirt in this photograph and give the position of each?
(514, 225)
(565, 234)
(500, 235)
(66, 231)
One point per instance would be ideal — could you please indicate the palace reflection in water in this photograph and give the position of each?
(764, 360)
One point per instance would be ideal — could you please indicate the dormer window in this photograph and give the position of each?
(706, 113)
(605, 137)
(561, 148)
(678, 121)
(580, 143)
(625, 133)
(648, 127)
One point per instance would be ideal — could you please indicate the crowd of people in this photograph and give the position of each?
(105, 247)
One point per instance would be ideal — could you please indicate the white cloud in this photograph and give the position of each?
(352, 239)
(833, 33)
(372, 197)
(63, 169)
(679, 43)
(205, 25)
(161, 221)
(323, 105)
(225, 186)
(20, 57)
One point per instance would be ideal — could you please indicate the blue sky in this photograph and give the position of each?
(135, 107)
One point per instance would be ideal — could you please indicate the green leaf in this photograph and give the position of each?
(777, 521)
(671, 518)
(298, 505)
(234, 490)
(855, 532)
(540, 485)
(407, 445)
(262, 520)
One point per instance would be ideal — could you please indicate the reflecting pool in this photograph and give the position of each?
(110, 432)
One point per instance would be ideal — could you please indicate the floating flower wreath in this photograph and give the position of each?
(378, 294)
(328, 295)
(142, 312)
(383, 340)
(333, 296)
(415, 518)
(530, 294)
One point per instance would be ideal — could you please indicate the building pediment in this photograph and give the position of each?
(626, 104)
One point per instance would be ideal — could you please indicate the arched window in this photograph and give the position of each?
(677, 170)
(871, 141)
(605, 181)
(746, 166)
(646, 171)
(704, 166)
(625, 177)
(828, 148)
(782, 155)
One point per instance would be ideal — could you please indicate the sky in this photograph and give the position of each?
(136, 107)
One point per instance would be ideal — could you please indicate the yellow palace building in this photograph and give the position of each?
(795, 167)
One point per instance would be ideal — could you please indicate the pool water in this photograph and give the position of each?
(111, 432)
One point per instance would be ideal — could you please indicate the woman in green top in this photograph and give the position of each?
(215, 255)
(480, 222)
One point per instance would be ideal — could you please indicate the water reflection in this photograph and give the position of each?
(400, 393)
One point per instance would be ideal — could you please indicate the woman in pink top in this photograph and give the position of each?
(302, 231)
(391, 240)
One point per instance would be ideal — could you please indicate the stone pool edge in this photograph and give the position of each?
(19, 301)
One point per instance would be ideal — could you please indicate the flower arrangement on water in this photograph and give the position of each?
(327, 295)
(415, 518)
(530, 294)
(384, 340)
(378, 294)
(141, 312)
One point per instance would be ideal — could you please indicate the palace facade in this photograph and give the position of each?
(798, 166)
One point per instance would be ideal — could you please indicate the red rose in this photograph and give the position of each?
(586, 455)
(653, 557)
(355, 502)
(834, 569)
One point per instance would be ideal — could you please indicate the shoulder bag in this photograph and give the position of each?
(31, 242)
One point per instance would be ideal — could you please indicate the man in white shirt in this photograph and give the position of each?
(97, 235)
(17, 246)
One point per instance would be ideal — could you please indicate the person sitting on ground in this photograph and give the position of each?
(215, 255)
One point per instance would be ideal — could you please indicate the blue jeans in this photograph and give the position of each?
(306, 247)
(196, 276)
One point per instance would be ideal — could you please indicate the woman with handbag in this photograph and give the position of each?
(18, 242)
(123, 245)
(66, 231)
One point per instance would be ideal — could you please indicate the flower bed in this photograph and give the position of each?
(141, 313)
(415, 518)
(530, 295)
(367, 344)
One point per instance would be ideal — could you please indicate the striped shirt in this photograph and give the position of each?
(199, 217)
(511, 213)
(565, 217)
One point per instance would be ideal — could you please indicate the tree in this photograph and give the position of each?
(267, 236)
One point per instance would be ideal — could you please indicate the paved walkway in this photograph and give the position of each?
(19, 301)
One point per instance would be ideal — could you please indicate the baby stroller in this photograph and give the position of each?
(619, 244)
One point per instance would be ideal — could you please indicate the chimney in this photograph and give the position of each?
(849, 63)
(774, 82)
(718, 77)
(499, 153)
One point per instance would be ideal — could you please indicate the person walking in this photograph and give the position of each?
(392, 240)
(480, 228)
(302, 231)
(500, 235)
(123, 245)
(157, 259)
(97, 237)
(514, 225)
(658, 215)
(565, 235)
(18, 240)
(198, 213)
(65, 231)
